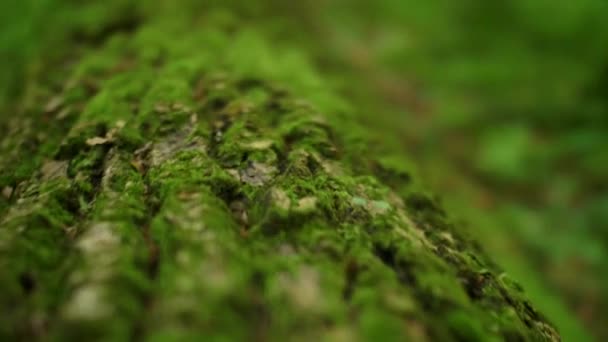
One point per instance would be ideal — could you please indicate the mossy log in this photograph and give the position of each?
(190, 179)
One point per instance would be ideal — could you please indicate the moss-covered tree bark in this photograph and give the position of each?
(183, 176)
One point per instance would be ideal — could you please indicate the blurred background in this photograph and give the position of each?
(501, 106)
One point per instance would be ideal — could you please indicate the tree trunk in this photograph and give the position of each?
(176, 175)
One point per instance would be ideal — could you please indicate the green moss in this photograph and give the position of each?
(226, 191)
(379, 326)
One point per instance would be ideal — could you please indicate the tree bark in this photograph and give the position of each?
(184, 176)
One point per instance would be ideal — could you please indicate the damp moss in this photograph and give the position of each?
(216, 185)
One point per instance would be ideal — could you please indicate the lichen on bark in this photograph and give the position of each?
(214, 186)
